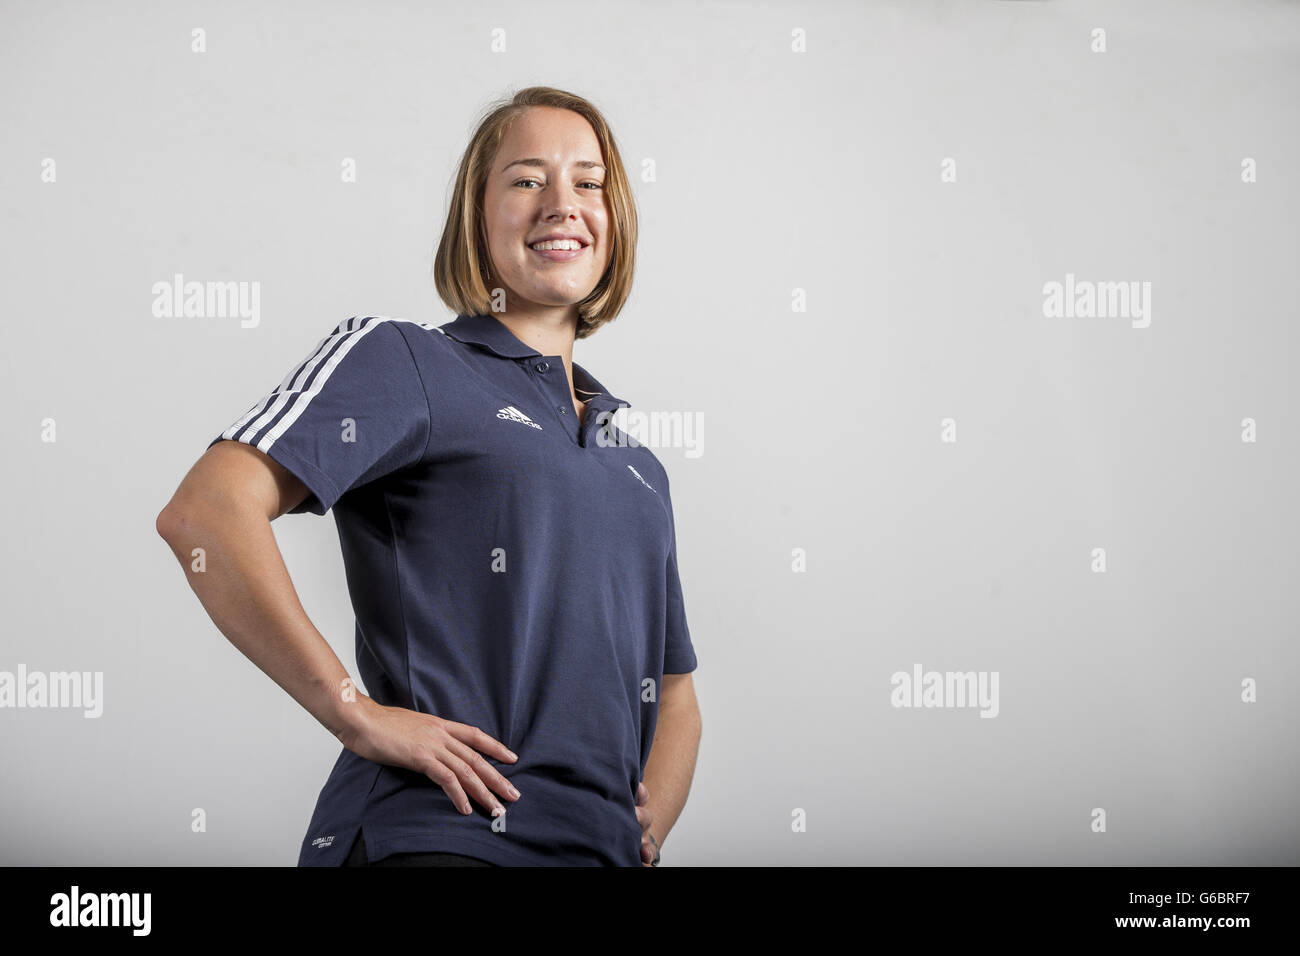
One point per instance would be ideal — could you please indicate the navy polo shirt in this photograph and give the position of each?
(510, 567)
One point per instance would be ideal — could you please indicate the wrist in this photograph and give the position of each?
(347, 710)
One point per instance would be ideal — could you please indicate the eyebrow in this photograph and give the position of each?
(535, 161)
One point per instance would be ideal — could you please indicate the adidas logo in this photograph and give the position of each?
(515, 415)
(640, 479)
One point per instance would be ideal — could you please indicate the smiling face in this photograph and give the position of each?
(547, 179)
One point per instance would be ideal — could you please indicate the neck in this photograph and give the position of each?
(549, 331)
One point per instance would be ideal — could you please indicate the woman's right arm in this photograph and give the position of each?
(225, 506)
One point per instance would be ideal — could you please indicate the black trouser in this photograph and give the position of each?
(358, 858)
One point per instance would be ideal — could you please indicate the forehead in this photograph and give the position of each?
(549, 133)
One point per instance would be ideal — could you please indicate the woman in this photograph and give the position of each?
(510, 554)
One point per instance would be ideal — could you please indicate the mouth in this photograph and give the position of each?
(559, 250)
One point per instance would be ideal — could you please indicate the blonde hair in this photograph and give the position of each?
(462, 258)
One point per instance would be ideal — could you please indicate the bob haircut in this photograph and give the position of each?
(460, 267)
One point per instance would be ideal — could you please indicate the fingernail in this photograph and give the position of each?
(513, 792)
(513, 755)
(498, 811)
(464, 808)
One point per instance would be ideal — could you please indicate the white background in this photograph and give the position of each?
(776, 171)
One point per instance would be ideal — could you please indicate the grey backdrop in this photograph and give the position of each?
(775, 170)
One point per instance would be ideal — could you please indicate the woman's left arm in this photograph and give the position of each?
(671, 763)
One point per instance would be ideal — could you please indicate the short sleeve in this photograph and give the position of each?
(353, 410)
(679, 652)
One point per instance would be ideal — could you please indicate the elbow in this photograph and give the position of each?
(165, 523)
(171, 521)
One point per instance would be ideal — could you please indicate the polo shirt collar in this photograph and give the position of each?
(593, 393)
(487, 332)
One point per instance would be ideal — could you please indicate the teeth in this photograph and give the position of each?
(557, 244)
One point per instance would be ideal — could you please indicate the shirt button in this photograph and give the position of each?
(541, 366)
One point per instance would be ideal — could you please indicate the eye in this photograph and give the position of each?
(519, 182)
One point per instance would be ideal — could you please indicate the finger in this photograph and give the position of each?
(471, 781)
(644, 817)
(642, 793)
(445, 777)
(485, 772)
(480, 741)
(647, 853)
